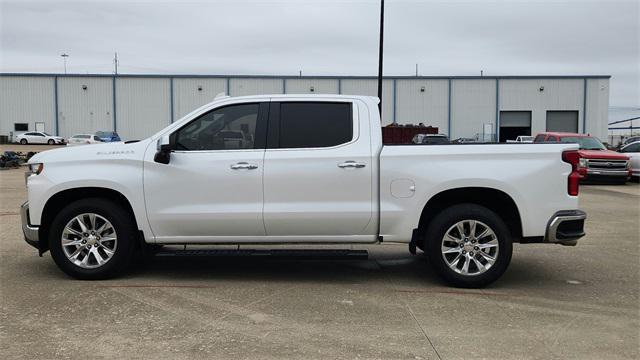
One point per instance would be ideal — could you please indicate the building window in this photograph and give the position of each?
(21, 127)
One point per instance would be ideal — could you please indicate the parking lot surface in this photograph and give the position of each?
(553, 302)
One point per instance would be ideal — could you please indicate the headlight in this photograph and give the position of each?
(582, 163)
(35, 169)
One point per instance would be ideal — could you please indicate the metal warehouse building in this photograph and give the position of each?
(136, 106)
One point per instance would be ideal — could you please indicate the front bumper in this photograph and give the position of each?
(566, 227)
(30, 232)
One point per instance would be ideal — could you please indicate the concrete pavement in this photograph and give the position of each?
(553, 302)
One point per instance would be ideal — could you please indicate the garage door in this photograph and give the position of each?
(562, 121)
(514, 124)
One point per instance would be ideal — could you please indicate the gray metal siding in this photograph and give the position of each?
(255, 86)
(525, 94)
(27, 100)
(473, 104)
(597, 107)
(187, 97)
(430, 106)
(320, 86)
(369, 87)
(144, 101)
(84, 111)
(142, 107)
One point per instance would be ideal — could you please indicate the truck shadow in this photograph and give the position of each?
(399, 271)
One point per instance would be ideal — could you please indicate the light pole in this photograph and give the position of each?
(380, 56)
(64, 57)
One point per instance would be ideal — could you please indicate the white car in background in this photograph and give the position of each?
(522, 139)
(633, 151)
(83, 139)
(37, 137)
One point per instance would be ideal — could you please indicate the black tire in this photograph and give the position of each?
(126, 238)
(438, 228)
(51, 142)
(23, 141)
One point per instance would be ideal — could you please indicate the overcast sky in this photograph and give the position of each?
(328, 37)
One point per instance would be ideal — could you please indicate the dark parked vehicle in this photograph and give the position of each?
(435, 140)
(464, 141)
(108, 136)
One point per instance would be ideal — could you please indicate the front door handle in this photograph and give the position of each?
(243, 165)
(351, 164)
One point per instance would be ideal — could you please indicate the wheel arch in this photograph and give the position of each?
(496, 200)
(62, 198)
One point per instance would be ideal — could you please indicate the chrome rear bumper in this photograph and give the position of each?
(566, 227)
(30, 232)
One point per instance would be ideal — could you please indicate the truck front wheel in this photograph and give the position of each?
(92, 239)
(468, 245)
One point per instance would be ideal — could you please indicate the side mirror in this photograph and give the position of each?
(163, 154)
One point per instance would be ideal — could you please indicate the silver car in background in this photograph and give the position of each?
(633, 151)
(83, 139)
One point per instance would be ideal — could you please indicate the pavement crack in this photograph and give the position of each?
(423, 331)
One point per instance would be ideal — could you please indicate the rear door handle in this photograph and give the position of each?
(243, 165)
(351, 164)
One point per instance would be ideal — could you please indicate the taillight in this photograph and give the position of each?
(572, 157)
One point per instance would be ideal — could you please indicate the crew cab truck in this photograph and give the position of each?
(312, 170)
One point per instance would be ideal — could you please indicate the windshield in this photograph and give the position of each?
(103, 134)
(586, 143)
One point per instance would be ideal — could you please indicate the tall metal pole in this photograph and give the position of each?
(115, 64)
(64, 58)
(380, 56)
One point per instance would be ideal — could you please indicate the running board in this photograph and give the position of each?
(293, 254)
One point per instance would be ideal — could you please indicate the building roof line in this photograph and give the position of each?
(309, 77)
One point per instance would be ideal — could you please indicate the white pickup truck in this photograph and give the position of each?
(308, 170)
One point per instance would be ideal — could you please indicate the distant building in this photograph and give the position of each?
(136, 106)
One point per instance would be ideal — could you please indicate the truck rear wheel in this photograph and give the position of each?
(92, 239)
(468, 245)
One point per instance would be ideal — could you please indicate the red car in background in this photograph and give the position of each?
(597, 163)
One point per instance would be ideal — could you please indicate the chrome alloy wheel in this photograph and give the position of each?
(470, 247)
(89, 240)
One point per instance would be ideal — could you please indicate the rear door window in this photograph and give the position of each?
(314, 124)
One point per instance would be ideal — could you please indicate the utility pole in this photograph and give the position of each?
(416, 70)
(115, 64)
(64, 58)
(380, 56)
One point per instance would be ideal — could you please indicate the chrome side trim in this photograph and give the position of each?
(30, 232)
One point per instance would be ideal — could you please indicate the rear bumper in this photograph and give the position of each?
(565, 227)
(30, 232)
